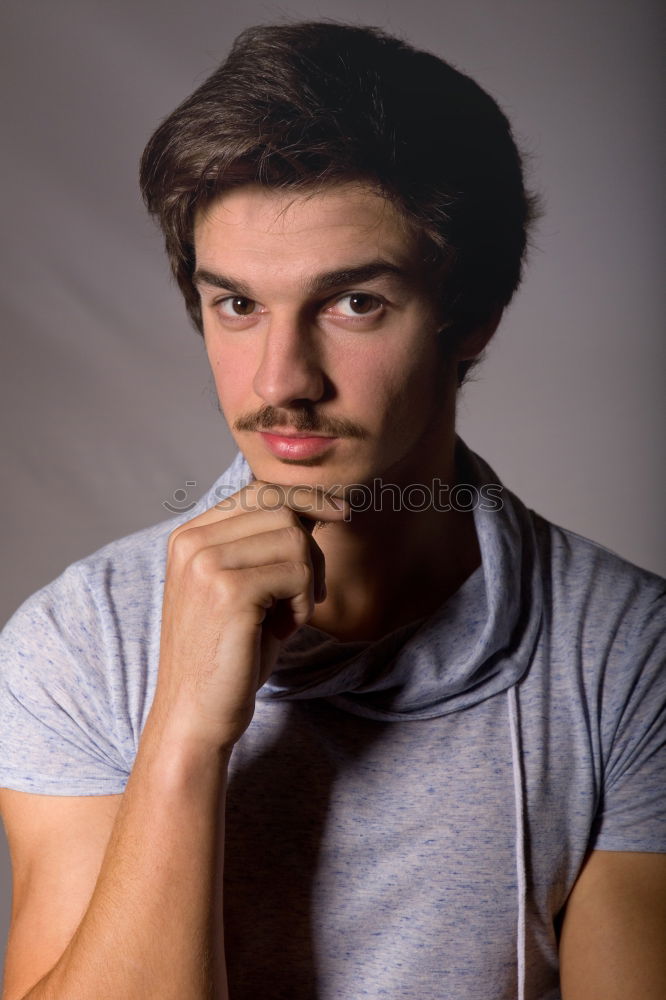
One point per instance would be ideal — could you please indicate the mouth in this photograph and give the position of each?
(295, 444)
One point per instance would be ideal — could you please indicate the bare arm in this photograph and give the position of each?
(238, 583)
(57, 844)
(613, 943)
(143, 923)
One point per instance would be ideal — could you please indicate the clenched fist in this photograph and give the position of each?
(241, 578)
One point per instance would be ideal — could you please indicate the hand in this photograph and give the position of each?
(241, 578)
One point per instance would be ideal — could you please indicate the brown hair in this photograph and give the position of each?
(303, 105)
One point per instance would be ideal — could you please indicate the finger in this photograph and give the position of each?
(262, 549)
(311, 503)
(267, 547)
(215, 529)
(285, 588)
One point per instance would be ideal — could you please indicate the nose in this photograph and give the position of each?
(289, 371)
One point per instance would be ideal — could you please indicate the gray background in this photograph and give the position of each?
(108, 408)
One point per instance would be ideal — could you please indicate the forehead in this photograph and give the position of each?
(310, 231)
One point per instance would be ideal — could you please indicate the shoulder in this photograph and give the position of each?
(76, 667)
(605, 621)
(78, 663)
(592, 589)
(603, 680)
(583, 583)
(122, 574)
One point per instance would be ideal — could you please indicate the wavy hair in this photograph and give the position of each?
(298, 106)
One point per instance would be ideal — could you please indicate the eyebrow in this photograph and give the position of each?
(318, 285)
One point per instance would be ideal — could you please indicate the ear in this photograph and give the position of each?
(472, 343)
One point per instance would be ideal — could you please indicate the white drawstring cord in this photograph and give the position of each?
(519, 799)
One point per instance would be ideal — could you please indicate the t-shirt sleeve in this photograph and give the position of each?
(632, 810)
(61, 703)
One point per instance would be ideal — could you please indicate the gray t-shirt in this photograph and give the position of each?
(406, 817)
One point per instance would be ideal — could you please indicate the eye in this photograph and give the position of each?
(237, 305)
(357, 304)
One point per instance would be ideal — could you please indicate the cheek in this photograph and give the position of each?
(231, 369)
(402, 388)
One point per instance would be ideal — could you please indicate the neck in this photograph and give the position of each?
(398, 560)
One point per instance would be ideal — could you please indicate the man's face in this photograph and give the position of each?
(321, 335)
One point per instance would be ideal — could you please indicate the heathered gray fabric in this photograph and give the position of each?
(372, 842)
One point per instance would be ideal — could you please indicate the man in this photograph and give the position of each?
(360, 724)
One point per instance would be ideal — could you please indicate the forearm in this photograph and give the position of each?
(147, 931)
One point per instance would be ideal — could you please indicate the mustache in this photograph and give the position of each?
(301, 419)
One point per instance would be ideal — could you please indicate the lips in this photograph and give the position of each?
(296, 445)
(293, 434)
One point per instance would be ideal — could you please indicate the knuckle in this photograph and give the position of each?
(296, 538)
(228, 587)
(265, 513)
(204, 563)
(290, 518)
(304, 569)
(174, 536)
(183, 543)
(277, 514)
